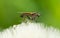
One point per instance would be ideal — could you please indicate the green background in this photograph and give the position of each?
(10, 11)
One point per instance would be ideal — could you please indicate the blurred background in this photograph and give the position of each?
(10, 12)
